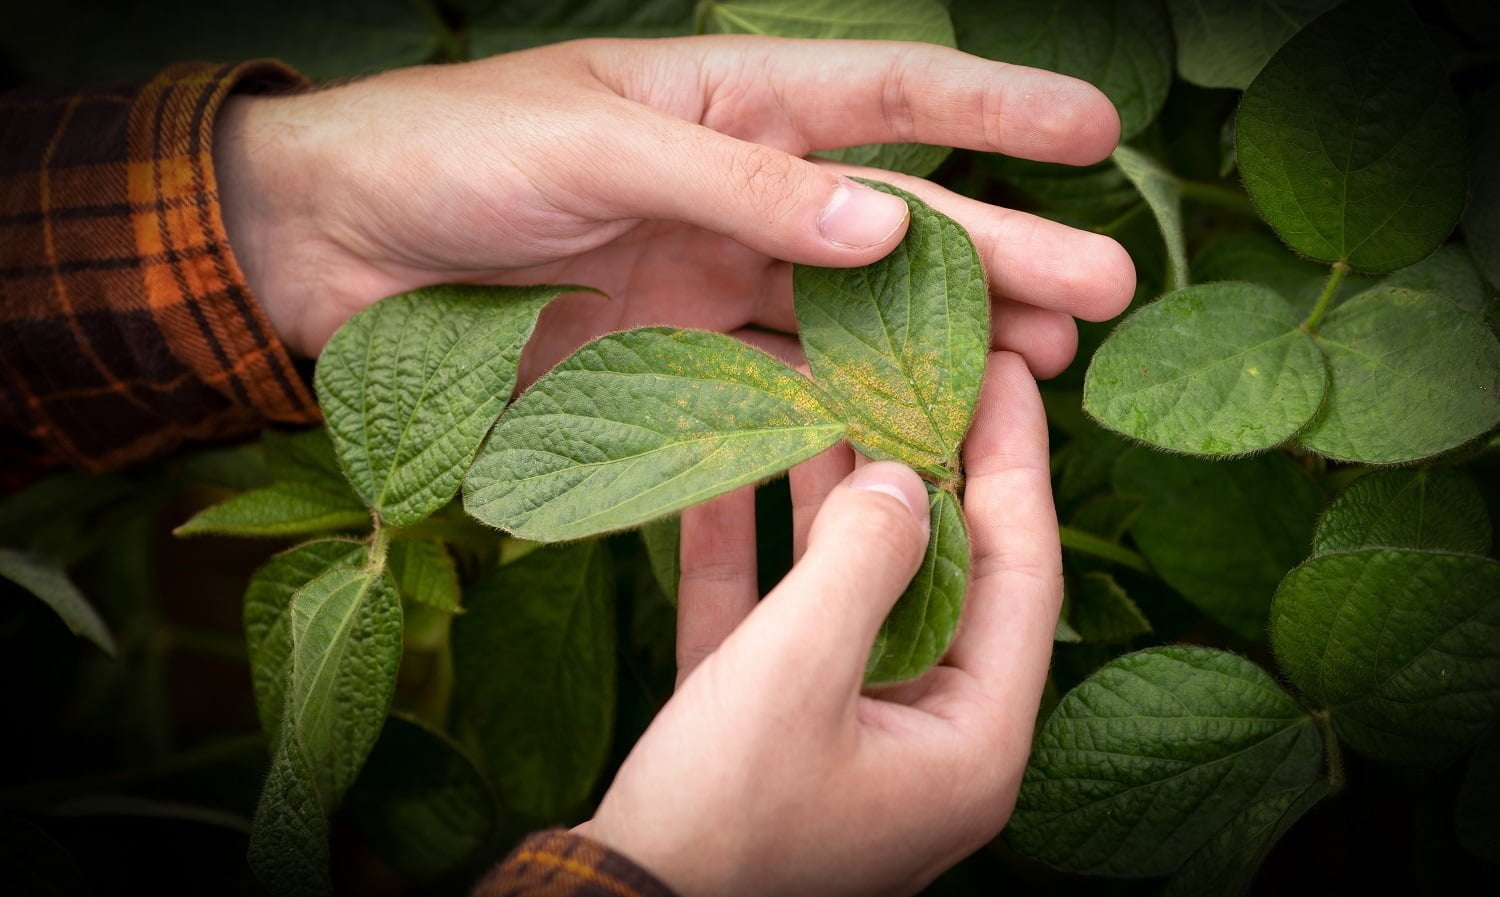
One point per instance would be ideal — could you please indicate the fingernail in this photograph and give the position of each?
(897, 481)
(857, 216)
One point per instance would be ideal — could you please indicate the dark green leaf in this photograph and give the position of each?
(1260, 259)
(519, 24)
(1436, 510)
(1449, 273)
(919, 628)
(1123, 47)
(1410, 375)
(411, 384)
(1402, 647)
(50, 583)
(636, 425)
(425, 572)
(1477, 816)
(1226, 865)
(1162, 192)
(1210, 532)
(281, 510)
(268, 617)
(1217, 369)
(663, 540)
(1350, 141)
(1482, 216)
(534, 663)
(899, 346)
(1094, 192)
(1151, 757)
(1100, 611)
(1225, 43)
(421, 802)
(345, 636)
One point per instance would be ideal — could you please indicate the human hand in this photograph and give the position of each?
(769, 772)
(666, 173)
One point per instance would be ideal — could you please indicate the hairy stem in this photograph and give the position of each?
(1214, 195)
(1088, 543)
(1331, 750)
(1340, 271)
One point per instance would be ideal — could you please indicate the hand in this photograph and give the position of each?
(768, 772)
(667, 173)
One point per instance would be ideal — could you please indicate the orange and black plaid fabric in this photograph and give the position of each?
(561, 864)
(126, 327)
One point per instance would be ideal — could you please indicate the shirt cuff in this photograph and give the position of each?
(558, 863)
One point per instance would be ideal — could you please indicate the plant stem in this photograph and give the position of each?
(1331, 750)
(379, 544)
(1088, 543)
(1214, 195)
(1121, 220)
(1340, 271)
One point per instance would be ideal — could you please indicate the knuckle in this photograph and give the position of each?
(768, 177)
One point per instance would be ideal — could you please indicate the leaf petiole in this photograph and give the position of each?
(1335, 279)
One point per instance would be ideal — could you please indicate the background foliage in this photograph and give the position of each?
(1277, 648)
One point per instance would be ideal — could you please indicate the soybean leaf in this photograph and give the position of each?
(1100, 611)
(1095, 191)
(1064, 631)
(1262, 259)
(425, 572)
(238, 467)
(1351, 142)
(518, 24)
(1208, 529)
(1217, 369)
(1226, 865)
(280, 510)
(307, 456)
(268, 617)
(1402, 647)
(899, 346)
(1477, 815)
(663, 540)
(1437, 510)
(49, 582)
(534, 666)
(1153, 755)
(919, 628)
(905, 20)
(1449, 273)
(1123, 47)
(421, 802)
(345, 637)
(1163, 194)
(1410, 375)
(1225, 43)
(639, 424)
(411, 384)
(1482, 216)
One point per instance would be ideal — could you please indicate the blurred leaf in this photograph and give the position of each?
(663, 541)
(1482, 216)
(1100, 611)
(506, 25)
(50, 583)
(1402, 647)
(1225, 43)
(1350, 140)
(1161, 191)
(425, 572)
(1226, 865)
(1153, 756)
(919, 628)
(239, 467)
(1438, 510)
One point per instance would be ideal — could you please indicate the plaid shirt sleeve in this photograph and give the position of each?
(557, 863)
(126, 327)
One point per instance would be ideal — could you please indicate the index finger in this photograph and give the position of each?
(1015, 575)
(809, 95)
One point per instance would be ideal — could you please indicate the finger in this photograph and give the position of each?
(1015, 576)
(1028, 258)
(813, 632)
(811, 483)
(718, 587)
(886, 92)
(765, 198)
(1047, 340)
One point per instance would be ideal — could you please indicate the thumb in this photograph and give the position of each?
(767, 199)
(866, 543)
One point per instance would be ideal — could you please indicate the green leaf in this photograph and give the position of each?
(420, 801)
(1482, 216)
(1449, 273)
(899, 346)
(268, 618)
(1225, 43)
(1153, 755)
(519, 24)
(1163, 194)
(919, 628)
(1217, 369)
(1477, 815)
(1437, 510)
(307, 456)
(1263, 260)
(345, 637)
(411, 384)
(1064, 631)
(50, 583)
(1100, 611)
(1351, 142)
(925, 21)
(1210, 531)
(1402, 647)
(1410, 375)
(1226, 865)
(663, 541)
(278, 511)
(636, 425)
(1094, 191)
(425, 572)
(534, 664)
(1123, 47)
